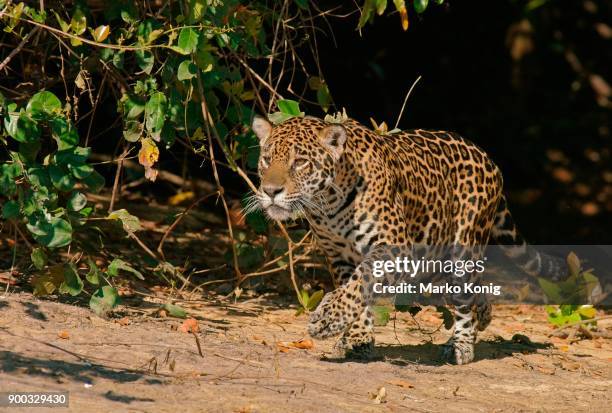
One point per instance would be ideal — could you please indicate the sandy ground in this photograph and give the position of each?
(140, 362)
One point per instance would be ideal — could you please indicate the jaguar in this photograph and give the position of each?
(361, 190)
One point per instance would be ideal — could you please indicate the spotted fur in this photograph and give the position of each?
(360, 190)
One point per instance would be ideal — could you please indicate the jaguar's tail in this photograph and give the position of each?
(526, 257)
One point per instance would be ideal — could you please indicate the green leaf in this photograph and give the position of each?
(94, 181)
(39, 178)
(53, 234)
(72, 284)
(45, 103)
(155, 114)
(132, 106)
(420, 5)
(174, 310)
(257, 221)
(21, 128)
(324, 97)
(82, 171)
(64, 133)
(367, 13)
(78, 24)
(93, 276)
(381, 315)
(290, 107)
(186, 70)
(551, 290)
(187, 40)
(118, 264)
(145, 60)
(315, 299)
(130, 222)
(304, 298)
(103, 300)
(302, 4)
(9, 172)
(76, 202)
(29, 150)
(279, 117)
(61, 178)
(72, 156)
(196, 10)
(10, 210)
(39, 258)
(133, 130)
(249, 255)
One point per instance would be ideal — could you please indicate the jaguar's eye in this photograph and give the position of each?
(265, 161)
(300, 163)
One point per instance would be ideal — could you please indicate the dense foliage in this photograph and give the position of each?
(180, 75)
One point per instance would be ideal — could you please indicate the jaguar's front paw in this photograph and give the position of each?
(332, 317)
(458, 352)
(358, 350)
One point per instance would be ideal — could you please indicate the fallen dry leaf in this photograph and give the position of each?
(304, 344)
(63, 335)
(282, 348)
(123, 321)
(401, 383)
(570, 366)
(189, 326)
(546, 370)
(181, 197)
(379, 396)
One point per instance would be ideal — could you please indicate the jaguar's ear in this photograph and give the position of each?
(333, 137)
(261, 127)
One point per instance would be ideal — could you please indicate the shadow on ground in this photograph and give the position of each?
(430, 354)
(83, 371)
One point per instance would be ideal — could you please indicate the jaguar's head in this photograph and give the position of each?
(297, 164)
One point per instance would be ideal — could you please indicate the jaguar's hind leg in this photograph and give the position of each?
(358, 341)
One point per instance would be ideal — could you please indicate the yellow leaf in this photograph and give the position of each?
(47, 283)
(78, 24)
(588, 311)
(404, 18)
(101, 33)
(154, 35)
(180, 198)
(149, 153)
(381, 129)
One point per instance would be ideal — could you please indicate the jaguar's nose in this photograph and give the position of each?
(272, 190)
